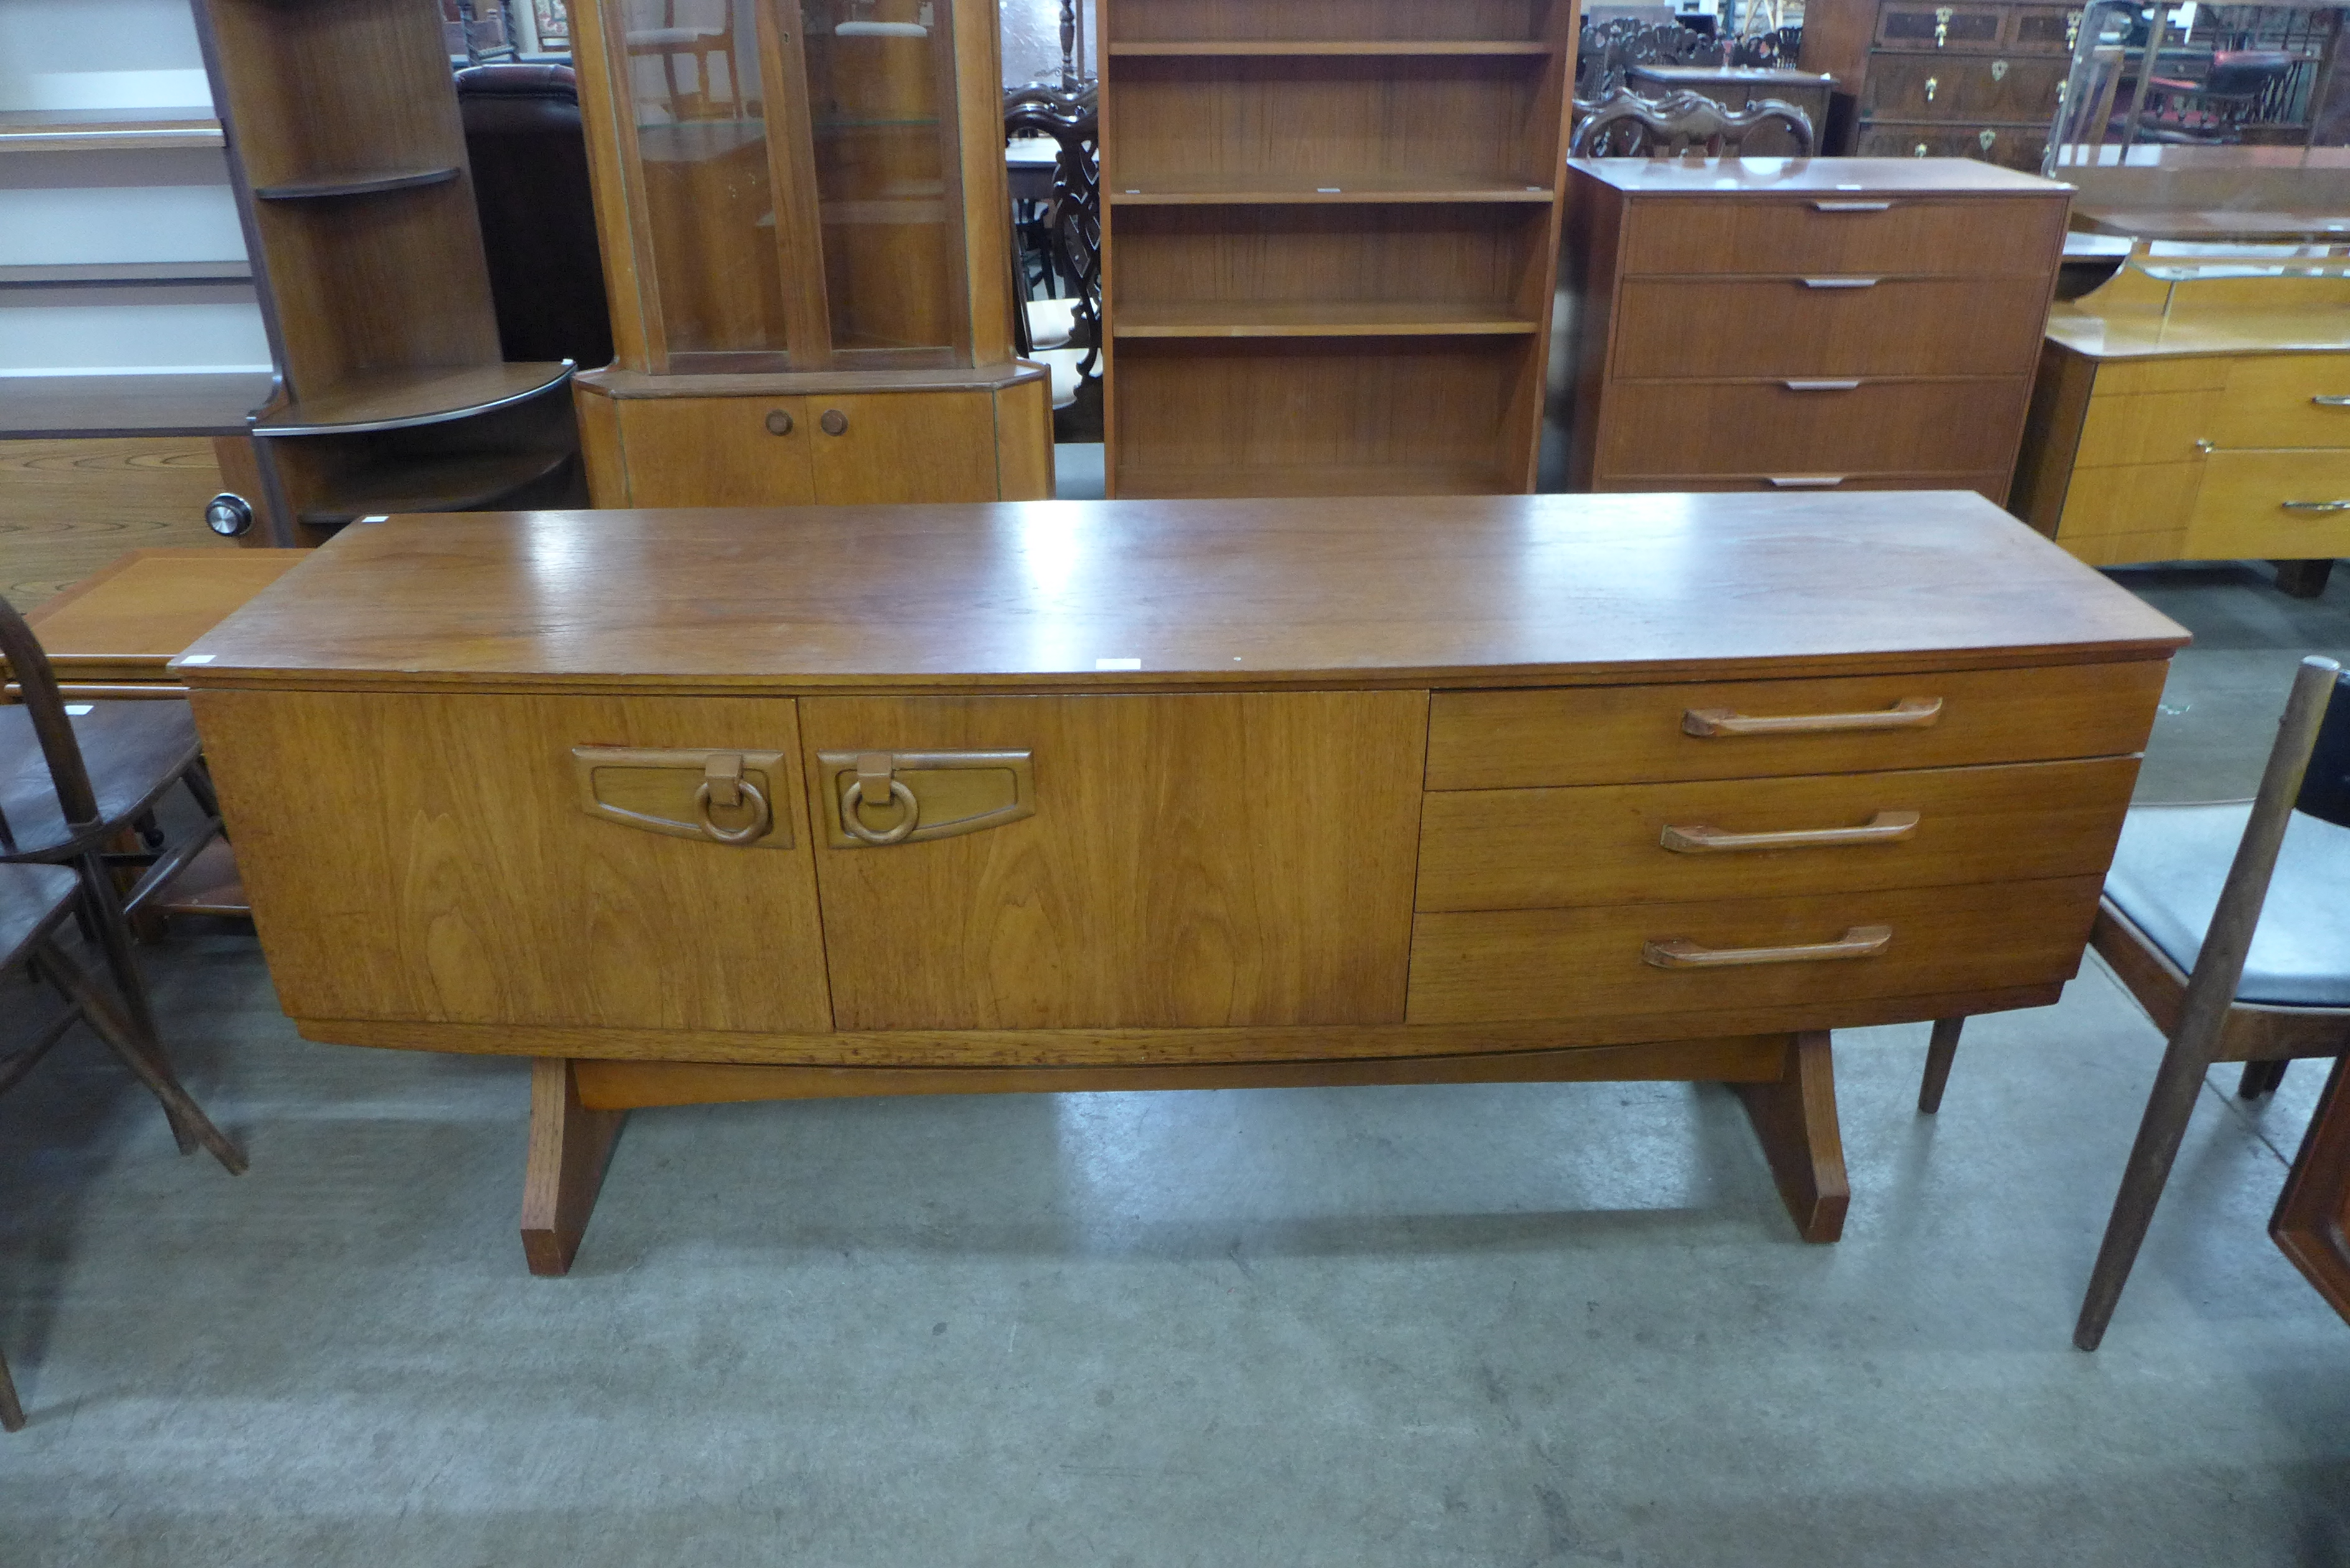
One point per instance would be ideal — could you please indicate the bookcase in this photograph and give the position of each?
(1331, 232)
(348, 157)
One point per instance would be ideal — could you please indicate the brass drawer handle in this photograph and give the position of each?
(1910, 713)
(1852, 206)
(855, 795)
(1806, 481)
(1885, 827)
(2332, 400)
(1820, 386)
(683, 793)
(2317, 505)
(1840, 283)
(874, 799)
(1860, 941)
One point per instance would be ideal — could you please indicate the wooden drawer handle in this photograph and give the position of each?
(1807, 481)
(2317, 505)
(1851, 206)
(1885, 827)
(2331, 400)
(1840, 283)
(1910, 713)
(1820, 386)
(1860, 941)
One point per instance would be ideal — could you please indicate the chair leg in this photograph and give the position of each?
(1940, 1052)
(112, 928)
(2261, 1078)
(12, 1414)
(121, 1035)
(2164, 1126)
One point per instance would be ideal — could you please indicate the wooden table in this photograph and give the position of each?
(712, 806)
(2330, 224)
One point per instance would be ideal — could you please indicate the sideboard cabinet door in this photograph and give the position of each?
(1190, 861)
(438, 862)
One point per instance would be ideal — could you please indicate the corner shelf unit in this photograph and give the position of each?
(348, 158)
(1330, 233)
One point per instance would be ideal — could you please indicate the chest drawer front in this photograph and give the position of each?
(1668, 843)
(2274, 401)
(1495, 965)
(1973, 87)
(2050, 29)
(1845, 234)
(1732, 427)
(1630, 735)
(2291, 505)
(1942, 26)
(1832, 324)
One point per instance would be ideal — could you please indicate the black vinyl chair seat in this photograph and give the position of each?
(32, 899)
(135, 751)
(2167, 872)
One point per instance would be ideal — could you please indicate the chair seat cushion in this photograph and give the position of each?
(2171, 862)
(133, 751)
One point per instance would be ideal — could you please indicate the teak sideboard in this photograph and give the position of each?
(708, 806)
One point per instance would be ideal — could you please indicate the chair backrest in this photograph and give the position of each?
(528, 150)
(2326, 786)
(1625, 125)
(36, 687)
(1073, 120)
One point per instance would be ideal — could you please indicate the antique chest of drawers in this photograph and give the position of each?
(1923, 81)
(1815, 324)
(707, 805)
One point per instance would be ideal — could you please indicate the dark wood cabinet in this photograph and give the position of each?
(1918, 80)
(1836, 323)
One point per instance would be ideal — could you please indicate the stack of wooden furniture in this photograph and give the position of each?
(2197, 407)
(1926, 80)
(1330, 234)
(806, 230)
(1854, 323)
(349, 163)
(1176, 794)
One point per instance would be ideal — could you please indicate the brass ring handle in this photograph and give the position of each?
(2331, 400)
(1885, 827)
(855, 827)
(2316, 506)
(1910, 713)
(760, 817)
(1679, 952)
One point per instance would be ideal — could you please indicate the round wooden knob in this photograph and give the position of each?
(835, 422)
(779, 422)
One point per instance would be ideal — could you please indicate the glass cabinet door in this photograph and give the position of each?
(881, 77)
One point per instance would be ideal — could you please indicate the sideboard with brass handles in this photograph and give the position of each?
(710, 805)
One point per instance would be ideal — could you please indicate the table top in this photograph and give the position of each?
(1828, 177)
(1167, 594)
(2215, 223)
(127, 621)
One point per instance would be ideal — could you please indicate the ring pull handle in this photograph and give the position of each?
(1910, 713)
(1679, 952)
(723, 787)
(872, 786)
(1885, 827)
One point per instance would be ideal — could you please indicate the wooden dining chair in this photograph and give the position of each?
(2230, 924)
(1625, 125)
(34, 901)
(74, 783)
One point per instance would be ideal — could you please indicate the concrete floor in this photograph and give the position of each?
(1559, 1325)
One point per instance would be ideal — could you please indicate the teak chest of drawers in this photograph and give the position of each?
(707, 805)
(1805, 324)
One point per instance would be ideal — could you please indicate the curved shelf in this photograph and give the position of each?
(355, 183)
(397, 399)
(461, 482)
(1318, 318)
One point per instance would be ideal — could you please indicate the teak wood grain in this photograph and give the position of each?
(127, 620)
(1523, 849)
(1458, 591)
(1200, 860)
(1790, 328)
(430, 862)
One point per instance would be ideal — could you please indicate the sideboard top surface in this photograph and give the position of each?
(1814, 177)
(1177, 595)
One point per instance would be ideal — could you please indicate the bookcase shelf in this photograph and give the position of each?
(355, 183)
(1339, 47)
(1319, 318)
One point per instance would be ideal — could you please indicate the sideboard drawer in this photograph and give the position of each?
(1862, 232)
(1829, 325)
(2271, 401)
(1709, 426)
(2292, 505)
(1661, 842)
(1488, 967)
(1629, 734)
